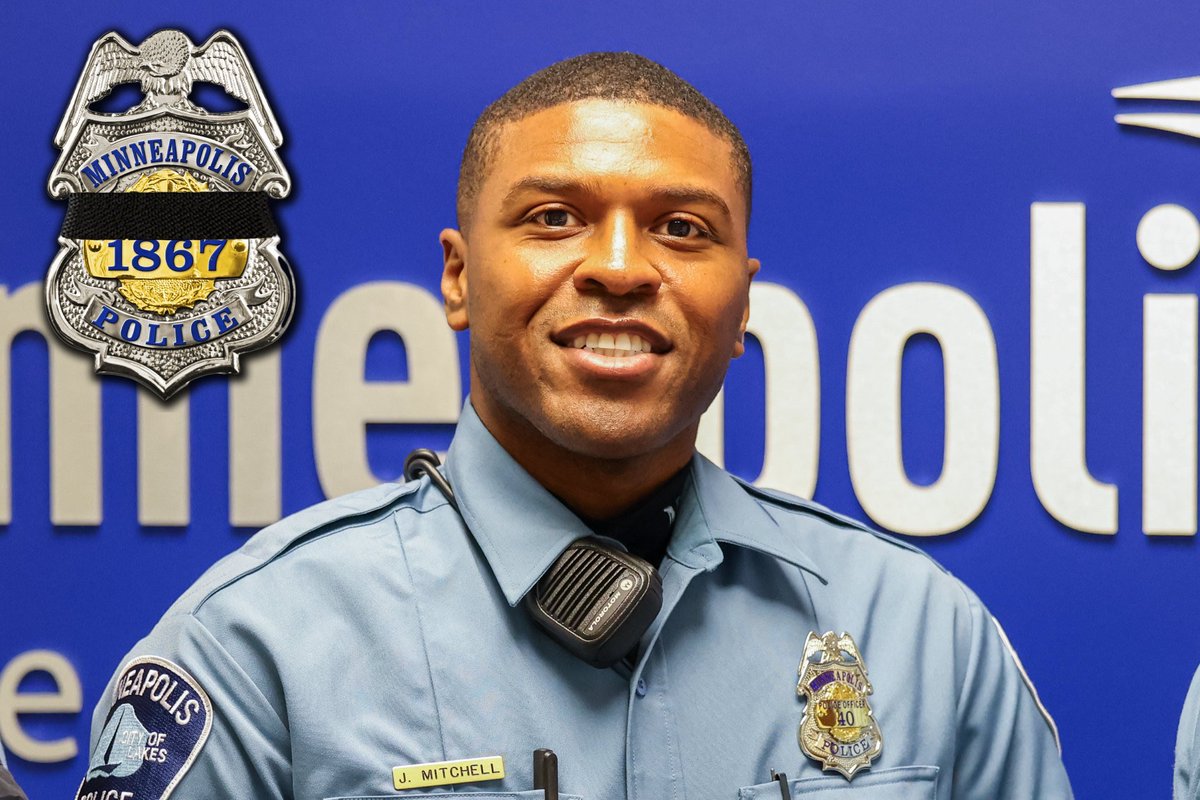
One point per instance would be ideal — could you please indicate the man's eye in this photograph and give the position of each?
(555, 218)
(684, 229)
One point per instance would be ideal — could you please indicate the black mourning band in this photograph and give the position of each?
(169, 215)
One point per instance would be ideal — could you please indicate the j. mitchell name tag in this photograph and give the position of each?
(445, 773)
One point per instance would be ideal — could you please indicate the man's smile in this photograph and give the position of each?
(624, 336)
(620, 349)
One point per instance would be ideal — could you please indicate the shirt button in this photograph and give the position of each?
(641, 688)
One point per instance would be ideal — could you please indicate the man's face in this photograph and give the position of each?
(604, 277)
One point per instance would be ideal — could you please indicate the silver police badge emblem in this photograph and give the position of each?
(838, 728)
(168, 265)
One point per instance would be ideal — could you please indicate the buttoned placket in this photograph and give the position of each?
(653, 763)
(715, 512)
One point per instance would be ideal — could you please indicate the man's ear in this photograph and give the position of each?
(454, 278)
(739, 347)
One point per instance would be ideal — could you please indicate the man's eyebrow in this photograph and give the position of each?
(693, 194)
(550, 185)
(676, 194)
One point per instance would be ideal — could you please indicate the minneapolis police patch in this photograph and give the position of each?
(158, 722)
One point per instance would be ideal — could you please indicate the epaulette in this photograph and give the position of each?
(308, 525)
(793, 503)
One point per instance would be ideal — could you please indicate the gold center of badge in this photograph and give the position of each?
(165, 276)
(838, 728)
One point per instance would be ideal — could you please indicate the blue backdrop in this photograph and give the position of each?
(892, 143)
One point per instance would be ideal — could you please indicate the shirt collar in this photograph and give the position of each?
(522, 528)
(731, 514)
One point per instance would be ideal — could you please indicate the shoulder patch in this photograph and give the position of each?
(159, 720)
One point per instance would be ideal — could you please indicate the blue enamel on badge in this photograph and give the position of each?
(159, 720)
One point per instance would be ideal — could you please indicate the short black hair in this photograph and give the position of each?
(625, 77)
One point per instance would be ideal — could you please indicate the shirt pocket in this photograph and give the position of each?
(899, 783)
(532, 794)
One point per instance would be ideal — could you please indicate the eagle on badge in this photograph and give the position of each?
(166, 65)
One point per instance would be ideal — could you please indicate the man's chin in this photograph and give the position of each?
(611, 433)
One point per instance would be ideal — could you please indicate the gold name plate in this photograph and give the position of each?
(444, 773)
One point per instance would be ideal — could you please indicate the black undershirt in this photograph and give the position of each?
(645, 529)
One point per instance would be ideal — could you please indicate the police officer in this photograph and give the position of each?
(382, 642)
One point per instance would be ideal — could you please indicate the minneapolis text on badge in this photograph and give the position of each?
(154, 286)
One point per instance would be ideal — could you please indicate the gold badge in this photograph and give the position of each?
(838, 728)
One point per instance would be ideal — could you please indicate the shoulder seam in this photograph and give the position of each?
(314, 532)
(799, 505)
(258, 690)
(1037, 700)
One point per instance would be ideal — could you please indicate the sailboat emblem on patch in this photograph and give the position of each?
(159, 720)
(168, 265)
(838, 728)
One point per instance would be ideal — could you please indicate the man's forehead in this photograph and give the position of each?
(616, 120)
(601, 138)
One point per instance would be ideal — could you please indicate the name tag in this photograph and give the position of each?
(444, 773)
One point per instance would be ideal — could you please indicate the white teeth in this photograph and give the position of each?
(622, 345)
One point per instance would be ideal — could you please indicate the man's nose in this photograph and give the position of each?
(616, 261)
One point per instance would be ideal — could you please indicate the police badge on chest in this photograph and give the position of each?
(838, 728)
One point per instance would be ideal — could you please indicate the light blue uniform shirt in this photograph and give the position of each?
(377, 630)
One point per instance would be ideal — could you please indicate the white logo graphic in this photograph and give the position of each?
(1178, 89)
(121, 747)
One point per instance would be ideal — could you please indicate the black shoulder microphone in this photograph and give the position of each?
(595, 600)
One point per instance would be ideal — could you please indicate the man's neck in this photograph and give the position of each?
(595, 488)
